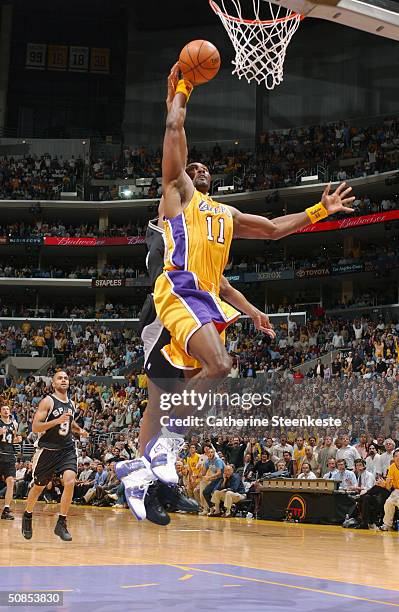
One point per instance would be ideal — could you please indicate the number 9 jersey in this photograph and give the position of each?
(58, 437)
(186, 295)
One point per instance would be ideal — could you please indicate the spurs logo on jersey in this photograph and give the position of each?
(60, 436)
(6, 445)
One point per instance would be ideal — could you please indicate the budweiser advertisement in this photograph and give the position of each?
(351, 222)
(83, 241)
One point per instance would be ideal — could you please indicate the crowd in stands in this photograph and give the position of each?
(85, 350)
(111, 310)
(379, 257)
(348, 151)
(342, 150)
(41, 228)
(359, 386)
(13, 269)
(38, 178)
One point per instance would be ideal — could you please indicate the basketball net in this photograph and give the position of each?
(260, 45)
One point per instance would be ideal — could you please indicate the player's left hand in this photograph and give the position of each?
(173, 79)
(339, 200)
(262, 323)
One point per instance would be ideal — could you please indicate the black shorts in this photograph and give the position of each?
(7, 466)
(155, 336)
(50, 463)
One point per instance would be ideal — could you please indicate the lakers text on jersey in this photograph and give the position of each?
(186, 295)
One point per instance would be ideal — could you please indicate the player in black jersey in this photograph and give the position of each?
(8, 437)
(56, 452)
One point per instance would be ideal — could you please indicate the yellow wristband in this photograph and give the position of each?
(185, 88)
(316, 212)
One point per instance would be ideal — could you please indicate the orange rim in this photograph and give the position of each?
(219, 12)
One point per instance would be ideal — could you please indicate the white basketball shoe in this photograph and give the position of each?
(162, 454)
(136, 476)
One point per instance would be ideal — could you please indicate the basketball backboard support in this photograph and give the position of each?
(380, 17)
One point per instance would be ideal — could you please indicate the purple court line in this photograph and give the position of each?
(99, 589)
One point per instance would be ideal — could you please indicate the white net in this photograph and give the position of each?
(260, 44)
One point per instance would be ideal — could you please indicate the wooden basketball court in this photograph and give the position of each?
(116, 563)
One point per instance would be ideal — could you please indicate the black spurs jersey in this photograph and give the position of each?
(156, 250)
(6, 445)
(59, 436)
(154, 263)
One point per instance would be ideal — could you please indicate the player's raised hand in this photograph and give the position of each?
(339, 201)
(173, 79)
(262, 323)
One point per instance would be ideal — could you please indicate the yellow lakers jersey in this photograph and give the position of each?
(198, 240)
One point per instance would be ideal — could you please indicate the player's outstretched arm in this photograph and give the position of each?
(176, 184)
(254, 226)
(38, 424)
(239, 301)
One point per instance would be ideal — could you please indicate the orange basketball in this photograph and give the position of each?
(199, 61)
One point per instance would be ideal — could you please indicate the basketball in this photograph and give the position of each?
(199, 61)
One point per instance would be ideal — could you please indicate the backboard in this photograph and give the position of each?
(380, 17)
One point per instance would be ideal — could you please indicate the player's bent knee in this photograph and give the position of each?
(69, 480)
(220, 367)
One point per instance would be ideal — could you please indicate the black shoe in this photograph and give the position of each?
(7, 515)
(174, 499)
(61, 530)
(154, 509)
(27, 526)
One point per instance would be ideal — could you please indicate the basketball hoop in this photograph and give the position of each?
(260, 45)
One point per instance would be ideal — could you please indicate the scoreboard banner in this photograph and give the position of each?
(57, 57)
(36, 56)
(83, 241)
(78, 59)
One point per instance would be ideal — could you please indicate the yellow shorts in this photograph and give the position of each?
(184, 308)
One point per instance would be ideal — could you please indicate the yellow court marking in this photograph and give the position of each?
(280, 571)
(137, 586)
(186, 577)
(232, 585)
(289, 586)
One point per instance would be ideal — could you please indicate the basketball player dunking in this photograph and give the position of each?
(164, 377)
(8, 437)
(156, 466)
(198, 234)
(56, 452)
